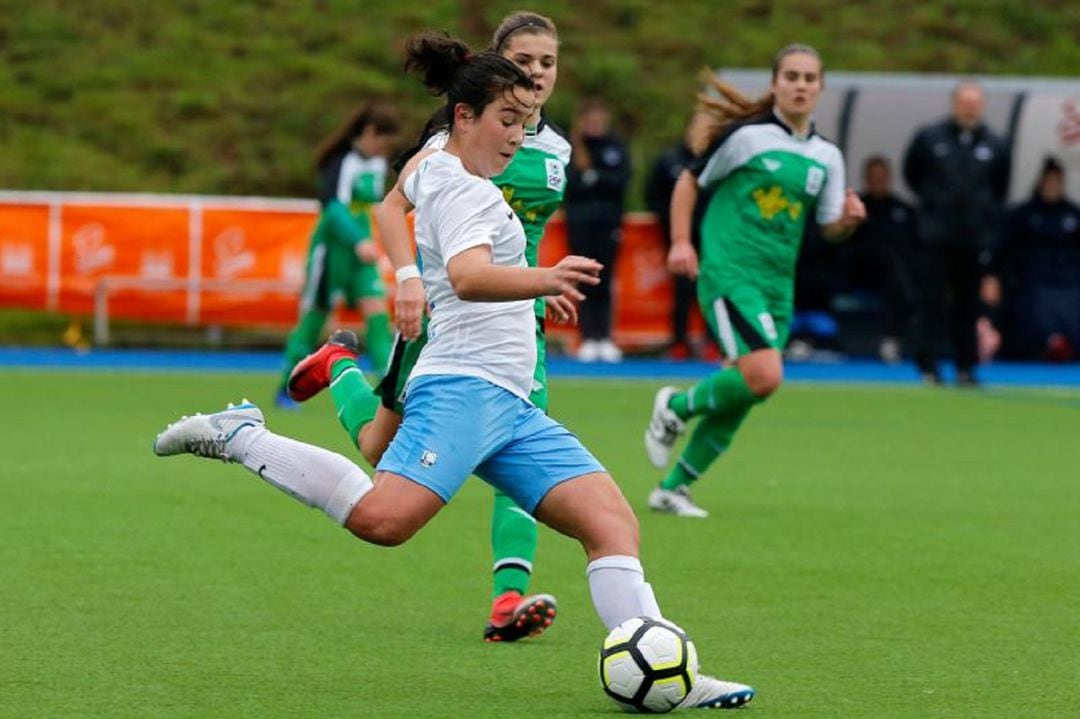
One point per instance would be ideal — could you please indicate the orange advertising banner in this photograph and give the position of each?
(237, 261)
(24, 256)
(242, 248)
(149, 243)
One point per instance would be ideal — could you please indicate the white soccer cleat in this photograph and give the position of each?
(208, 435)
(712, 693)
(664, 428)
(675, 501)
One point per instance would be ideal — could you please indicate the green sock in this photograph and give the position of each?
(302, 341)
(710, 439)
(513, 544)
(354, 399)
(377, 341)
(716, 394)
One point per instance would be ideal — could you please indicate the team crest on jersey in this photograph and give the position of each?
(428, 458)
(556, 176)
(815, 178)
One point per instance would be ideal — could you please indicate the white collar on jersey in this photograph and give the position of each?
(791, 130)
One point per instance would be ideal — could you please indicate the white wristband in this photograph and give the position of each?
(406, 273)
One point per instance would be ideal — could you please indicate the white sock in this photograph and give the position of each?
(619, 590)
(317, 477)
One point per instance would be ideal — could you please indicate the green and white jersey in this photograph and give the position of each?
(533, 184)
(765, 183)
(535, 181)
(357, 182)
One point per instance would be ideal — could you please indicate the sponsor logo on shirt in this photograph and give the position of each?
(772, 165)
(773, 201)
(556, 177)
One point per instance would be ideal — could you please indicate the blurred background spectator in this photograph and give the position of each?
(1036, 278)
(959, 171)
(596, 186)
(661, 183)
(819, 277)
(879, 256)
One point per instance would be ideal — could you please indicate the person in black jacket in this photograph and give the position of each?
(1037, 272)
(661, 183)
(959, 171)
(880, 254)
(596, 184)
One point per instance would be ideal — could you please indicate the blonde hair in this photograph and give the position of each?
(729, 105)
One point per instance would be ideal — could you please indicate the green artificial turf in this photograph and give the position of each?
(872, 552)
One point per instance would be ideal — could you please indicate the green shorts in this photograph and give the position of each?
(332, 276)
(744, 320)
(391, 390)
(365, 283)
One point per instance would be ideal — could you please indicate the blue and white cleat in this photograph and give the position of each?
(208, 435)
(712, 693)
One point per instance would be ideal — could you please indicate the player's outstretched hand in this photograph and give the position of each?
(854, 209)
(367, 252)
(571, 272)
(682, 260)
(409, 307)
(561, 310)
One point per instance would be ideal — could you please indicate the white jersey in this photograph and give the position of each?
(456, 211)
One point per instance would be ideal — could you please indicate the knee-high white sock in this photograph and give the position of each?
(619, 590)
(317, 477)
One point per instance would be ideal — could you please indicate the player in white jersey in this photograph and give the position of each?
(533, 185)
(466, 409)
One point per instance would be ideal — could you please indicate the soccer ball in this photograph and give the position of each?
(648, 665)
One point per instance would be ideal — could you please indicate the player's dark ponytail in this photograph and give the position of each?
(437, 58)
(447, 68)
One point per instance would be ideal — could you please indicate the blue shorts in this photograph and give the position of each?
(455, 426)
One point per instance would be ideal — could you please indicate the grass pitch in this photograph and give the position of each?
(873, 552)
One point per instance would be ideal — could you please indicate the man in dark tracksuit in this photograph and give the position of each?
(959, 171)
(597, 181)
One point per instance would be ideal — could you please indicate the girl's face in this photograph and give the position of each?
(537, 53)
(797, 84)
(370, 143)
(488, 141)
(1052, 187)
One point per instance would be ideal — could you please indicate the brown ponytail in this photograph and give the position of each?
(732, 106)
(716, 113)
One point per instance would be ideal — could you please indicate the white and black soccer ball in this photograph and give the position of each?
(648, 665)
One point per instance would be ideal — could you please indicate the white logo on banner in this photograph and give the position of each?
(292, 267)
(156, 264)
(230, 257)
(16, 260)
(91, 251)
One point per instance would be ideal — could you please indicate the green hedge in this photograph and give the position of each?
(218, 97)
